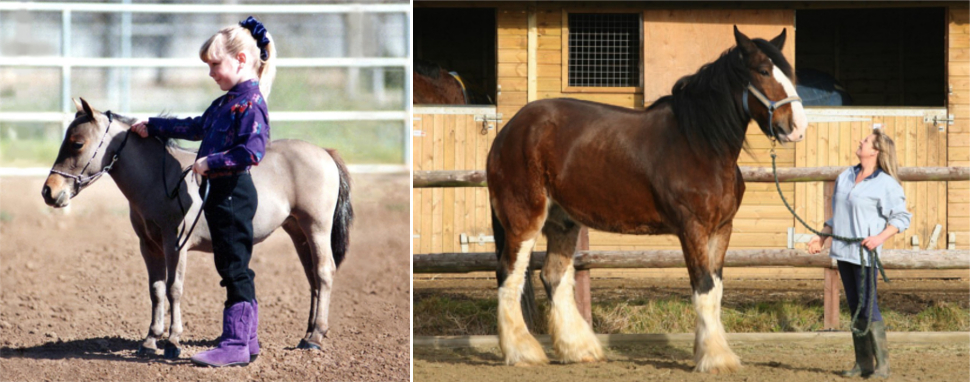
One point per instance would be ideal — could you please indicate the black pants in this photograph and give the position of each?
(230, 210)
(851, 281)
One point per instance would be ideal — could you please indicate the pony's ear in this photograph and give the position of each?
(744, 42)
(80, 108)
(779, 42)
(85, 107)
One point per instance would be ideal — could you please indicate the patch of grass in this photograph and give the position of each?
(460, 315)
(28, 153)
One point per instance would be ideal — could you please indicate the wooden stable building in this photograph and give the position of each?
(906, 66)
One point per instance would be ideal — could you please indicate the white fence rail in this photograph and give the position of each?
(66, 62)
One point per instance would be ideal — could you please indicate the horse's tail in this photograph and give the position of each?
(528, 293)
(343, 215)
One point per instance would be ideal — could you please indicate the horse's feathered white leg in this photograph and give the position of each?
(519, 347)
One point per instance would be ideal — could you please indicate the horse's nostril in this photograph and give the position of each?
(46, 192)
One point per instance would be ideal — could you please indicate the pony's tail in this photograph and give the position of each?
(529, 310)
(343, 215)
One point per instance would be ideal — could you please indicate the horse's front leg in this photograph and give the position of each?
(704, 255)
(155, 262)
(175, 264)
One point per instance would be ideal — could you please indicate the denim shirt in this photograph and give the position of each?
(865, 209)
(234, 130)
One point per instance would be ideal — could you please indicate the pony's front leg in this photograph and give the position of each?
(175, 263)
(704, 262)
(155, 262)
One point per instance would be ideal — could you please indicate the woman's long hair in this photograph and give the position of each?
(886, 159)
(234, 39)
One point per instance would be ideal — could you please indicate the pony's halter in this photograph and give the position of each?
(771, 105)
(81, 181)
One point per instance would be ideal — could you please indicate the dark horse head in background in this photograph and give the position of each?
(433, 85)
(562, 164)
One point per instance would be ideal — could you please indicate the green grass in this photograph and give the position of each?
(28, 153)
(457, 315)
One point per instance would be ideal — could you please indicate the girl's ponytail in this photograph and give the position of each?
(266, 70)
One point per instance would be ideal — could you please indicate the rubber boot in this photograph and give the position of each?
(881, 348)
(253, 337)
(233, 349)
(863, 354)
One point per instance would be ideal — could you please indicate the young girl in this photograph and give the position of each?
(234, 131)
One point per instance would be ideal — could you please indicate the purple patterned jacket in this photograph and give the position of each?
(234, 130)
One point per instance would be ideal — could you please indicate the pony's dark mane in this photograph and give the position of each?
(707, 112)
(167, 142)
(427, 68)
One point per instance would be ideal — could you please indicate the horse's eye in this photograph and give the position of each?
(763, 72)
(77, 145)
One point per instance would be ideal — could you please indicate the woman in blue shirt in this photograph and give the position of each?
(868, 202)
(234, 131)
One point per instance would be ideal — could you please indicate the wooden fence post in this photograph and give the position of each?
(583, 297)
(832, 281)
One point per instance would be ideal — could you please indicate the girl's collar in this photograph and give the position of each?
(245, 86)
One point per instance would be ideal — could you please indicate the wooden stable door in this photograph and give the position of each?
(832, 139)
(452, 138)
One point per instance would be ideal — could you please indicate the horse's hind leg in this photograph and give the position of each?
(522, 229)
(303, 250)
(322, 271)
(704, 255)
(572, 337)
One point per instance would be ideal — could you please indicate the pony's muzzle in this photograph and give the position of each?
(58, 200)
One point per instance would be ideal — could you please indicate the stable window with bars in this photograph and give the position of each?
(604, 50)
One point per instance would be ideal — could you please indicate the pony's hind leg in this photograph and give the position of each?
(323, 270)
(573, 339)
(704, 262)
(517, 344)
(303, 250)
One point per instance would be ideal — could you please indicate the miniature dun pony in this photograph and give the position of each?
(670, 169)
(302, 187)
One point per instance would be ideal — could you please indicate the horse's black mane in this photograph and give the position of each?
(427, 68)
(707, 111)
(167, 142)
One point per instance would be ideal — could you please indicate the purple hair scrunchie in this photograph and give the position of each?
(259, 33)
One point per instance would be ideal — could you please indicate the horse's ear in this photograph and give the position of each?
(743, 42)
(80, 108)
(779, 42)
(85, 107)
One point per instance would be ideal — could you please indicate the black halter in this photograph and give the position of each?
(81, 181)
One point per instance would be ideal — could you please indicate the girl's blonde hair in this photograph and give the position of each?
(231, 40)
(886, 159)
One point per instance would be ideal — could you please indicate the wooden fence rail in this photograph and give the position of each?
(891, 259)
(476, 178)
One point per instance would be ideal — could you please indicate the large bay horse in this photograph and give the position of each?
(303, 188)
(670, 169)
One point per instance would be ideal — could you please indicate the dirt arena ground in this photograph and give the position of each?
(790, 362)
(74, 302)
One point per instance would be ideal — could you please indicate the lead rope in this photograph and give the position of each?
(873, 256)
(183, 236)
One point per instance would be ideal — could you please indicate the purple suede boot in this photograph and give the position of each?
(253, 336)
(233, 349)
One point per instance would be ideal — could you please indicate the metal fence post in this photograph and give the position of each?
(66, 103)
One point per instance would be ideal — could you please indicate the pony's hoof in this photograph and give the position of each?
(172, 351)
(304, 344)
(145, 352)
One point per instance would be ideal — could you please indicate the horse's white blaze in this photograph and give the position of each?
(799, 119)
(711, 351)
(517, 344)
(572, 337)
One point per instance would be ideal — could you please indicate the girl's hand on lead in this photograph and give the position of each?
(140, 128)
(872, 242)
(201, 166)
